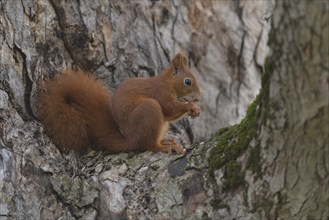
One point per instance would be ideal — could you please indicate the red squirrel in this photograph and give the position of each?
(78, 111)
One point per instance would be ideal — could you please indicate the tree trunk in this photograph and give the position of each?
(295, 133)
(273, 164)
(284, 172)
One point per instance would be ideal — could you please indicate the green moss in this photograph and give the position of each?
(233, 141)
(233, 176)
(254, 161)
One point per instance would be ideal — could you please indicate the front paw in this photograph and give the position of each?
(194, 110)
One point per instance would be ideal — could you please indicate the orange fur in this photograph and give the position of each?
(78, 111)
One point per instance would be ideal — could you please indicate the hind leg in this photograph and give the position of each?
(168, 145)
(145, 127)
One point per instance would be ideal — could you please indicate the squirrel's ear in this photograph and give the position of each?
(179, 61)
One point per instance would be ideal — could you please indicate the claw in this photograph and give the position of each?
(168, 148)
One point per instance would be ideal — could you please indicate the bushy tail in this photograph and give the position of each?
(68, 105)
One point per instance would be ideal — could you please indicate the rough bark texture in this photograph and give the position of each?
(278, 169)
(225, 40)
(274, 164)
(295, 134)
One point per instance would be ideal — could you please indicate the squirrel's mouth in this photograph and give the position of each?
(189, 99)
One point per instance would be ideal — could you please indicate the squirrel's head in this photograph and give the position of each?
(186, 85)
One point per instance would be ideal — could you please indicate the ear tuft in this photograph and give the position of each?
(179, 61)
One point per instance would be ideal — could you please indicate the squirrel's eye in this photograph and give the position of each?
(187, 82)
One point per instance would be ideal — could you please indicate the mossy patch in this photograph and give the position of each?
(254, 161)
(233, 141)
(233, 176)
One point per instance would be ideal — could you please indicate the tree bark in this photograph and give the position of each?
(281, 162)
(294, 136)
(273, 164)
(226, 45)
